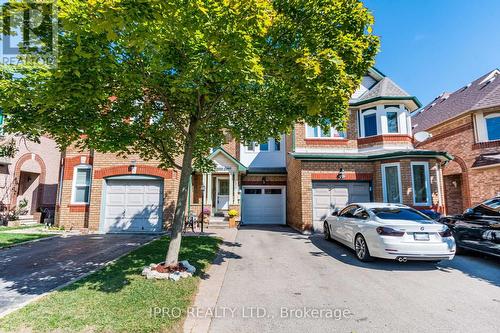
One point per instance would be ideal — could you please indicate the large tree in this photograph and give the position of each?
(169, 79)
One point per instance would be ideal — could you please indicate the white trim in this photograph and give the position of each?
(427, 183)
(73, 185)
(384, 190)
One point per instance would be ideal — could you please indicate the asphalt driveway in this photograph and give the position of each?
(30, 270)
(277, 278)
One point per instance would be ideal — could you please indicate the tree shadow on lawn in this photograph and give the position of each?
(199, 251)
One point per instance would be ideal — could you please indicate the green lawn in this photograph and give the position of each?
(117, 298)
(4, 228)
(7, 239)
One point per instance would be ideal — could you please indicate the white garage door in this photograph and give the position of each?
(263, 205)
(133, 206)
(331, 195)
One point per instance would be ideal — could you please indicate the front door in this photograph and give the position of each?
(222, 194)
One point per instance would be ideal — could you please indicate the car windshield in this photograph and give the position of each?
(393, 213)
(489, 207)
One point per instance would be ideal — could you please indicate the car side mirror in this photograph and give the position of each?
(469, 212)
(335, 212)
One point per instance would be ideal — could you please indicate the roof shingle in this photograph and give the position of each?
(481, 93)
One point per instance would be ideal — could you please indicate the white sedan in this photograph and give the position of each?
(390, 231)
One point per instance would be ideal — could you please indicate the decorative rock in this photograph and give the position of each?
(190, 268)
(185, 274)
(151, 273)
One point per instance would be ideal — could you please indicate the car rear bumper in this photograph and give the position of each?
(392, 248)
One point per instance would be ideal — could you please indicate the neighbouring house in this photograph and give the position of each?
(30, 175)
(466, 123)
(297, 179)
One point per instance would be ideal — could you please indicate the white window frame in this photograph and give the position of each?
(491, 115)
(398, 113)
(384, 190)
(367, 112)
(331, 137)
(73, 186)
(427, 183)
(254, 150)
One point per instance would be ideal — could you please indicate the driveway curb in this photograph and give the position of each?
(21, 305)
(209, 288)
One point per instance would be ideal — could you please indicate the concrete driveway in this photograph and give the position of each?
(30, 270)
(277, 278)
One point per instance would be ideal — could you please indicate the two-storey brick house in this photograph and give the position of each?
(466, 123)
(296, 180)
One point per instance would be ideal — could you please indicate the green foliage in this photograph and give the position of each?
(131, 76)
(8, 149)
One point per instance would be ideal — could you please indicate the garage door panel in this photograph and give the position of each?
(261, 208)
(132, 206)
(330, 195)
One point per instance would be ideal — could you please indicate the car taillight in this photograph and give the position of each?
(385, 231)
(446, 233)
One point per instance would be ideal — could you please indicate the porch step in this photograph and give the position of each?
(217, 222)
(27, 220)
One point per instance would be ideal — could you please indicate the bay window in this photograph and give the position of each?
(384, 119)
(81, 184)
(391, 183)
(421, 183)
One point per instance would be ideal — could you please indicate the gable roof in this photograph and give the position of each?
(385, 89)
(220, 150)
(482, 93)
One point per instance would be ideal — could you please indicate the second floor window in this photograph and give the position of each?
(493, 126)
(264, 146)
(313, 132)
(370, 122)
(392, 122)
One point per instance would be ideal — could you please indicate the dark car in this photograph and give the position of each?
(478, 228)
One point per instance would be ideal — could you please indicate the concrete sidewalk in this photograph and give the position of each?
(211, 284)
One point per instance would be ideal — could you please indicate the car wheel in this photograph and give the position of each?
(361, 248)
(326, 232)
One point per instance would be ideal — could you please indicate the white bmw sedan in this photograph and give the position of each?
(390, 231)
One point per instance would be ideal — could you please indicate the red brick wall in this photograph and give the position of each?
(453, 194)
(457, 138)
(105, 165)
(301, 174)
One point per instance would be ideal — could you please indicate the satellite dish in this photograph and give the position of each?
(422, 136)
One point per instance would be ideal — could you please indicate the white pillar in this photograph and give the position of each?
(231, 188)
(204, 184)
(236, 188)
(208, 191)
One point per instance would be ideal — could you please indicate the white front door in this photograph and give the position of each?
(222, 193)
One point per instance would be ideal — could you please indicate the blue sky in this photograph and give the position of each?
(431, 46)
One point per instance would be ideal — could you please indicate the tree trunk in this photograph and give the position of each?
(187, 168)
